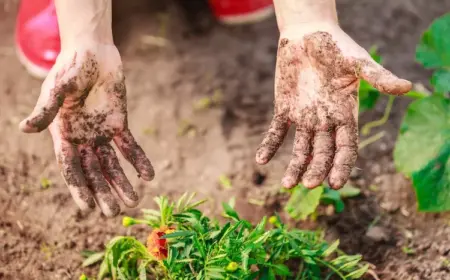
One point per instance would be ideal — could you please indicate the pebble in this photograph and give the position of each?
(356, 173)
(377, 234)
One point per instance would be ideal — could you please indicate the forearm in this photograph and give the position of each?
(81, 20)
(298, 12)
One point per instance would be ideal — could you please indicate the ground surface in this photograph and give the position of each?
(41, 231)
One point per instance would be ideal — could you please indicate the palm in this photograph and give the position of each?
(316, 88)
(84, 98)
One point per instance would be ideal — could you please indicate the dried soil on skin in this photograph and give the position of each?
(41, 231)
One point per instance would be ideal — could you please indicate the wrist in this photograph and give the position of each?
(297, 31)
(84, 21)
(294, 14)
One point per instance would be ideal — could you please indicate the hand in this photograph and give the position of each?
(316, 88)
(83, 100)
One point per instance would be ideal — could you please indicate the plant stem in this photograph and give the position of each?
(371, 139)
(387, 111)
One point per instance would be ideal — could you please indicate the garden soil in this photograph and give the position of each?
(42, 234)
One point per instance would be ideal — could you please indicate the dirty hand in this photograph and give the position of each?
(83, 102)
(316, 88)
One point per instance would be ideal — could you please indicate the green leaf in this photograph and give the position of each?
(358, 273)
(432, 183)
(267, 274)
(184, 233)
(416, 94)
(303, 202)
(349, 191)
(281, 269)
(424, 131)
(422, 151)
(93, 258)
(331, 249)
(103, 270)
(142, 271)
(441, 80)
(433, 52)
(230, 212)
(368, 96)
(331, 196)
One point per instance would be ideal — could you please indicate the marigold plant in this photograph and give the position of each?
(185, 244)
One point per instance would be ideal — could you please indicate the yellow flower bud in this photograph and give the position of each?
(232, 267)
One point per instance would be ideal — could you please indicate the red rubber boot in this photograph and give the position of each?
(241, 11)
(37, 36)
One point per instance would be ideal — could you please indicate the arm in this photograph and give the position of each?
(316, 88)
(294, 12)
(83, 103)
(84, 20)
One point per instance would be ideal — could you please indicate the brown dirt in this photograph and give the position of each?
(41, 231)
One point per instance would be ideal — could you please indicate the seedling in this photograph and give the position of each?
(304, 202)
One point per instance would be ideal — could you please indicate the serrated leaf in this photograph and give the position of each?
(422, 151)
(303, 202)
(441, 80)
(432, 183)
(424, 131)
(433, 52)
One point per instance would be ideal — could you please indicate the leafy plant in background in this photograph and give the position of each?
(185, 244)
(422, 150)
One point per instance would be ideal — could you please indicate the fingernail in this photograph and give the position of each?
(147, 175)
(288, 182)
(261, 158)
(25, 127)
(310, 184)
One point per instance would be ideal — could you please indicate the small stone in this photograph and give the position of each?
(355, 174)
(377, 234)
(390, 206)
(167, 164)
(375, 169)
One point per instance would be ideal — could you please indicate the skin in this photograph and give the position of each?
(316, 88)
(83, 101)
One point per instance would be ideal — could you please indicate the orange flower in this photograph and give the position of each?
(156, 245)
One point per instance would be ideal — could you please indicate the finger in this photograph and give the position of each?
(114, 174)
(53, 93)
(273, 139)
(134, 154)
(97, 183)
(301, 153)
(70, 166)
(382, 79)
(322, 159)
(345, 158)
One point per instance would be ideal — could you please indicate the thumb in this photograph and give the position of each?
(53, 93)
(382, 79)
